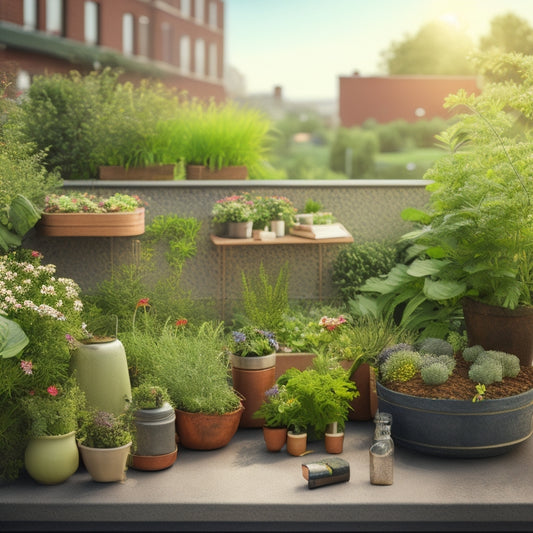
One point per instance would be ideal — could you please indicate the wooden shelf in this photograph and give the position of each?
(287, 239)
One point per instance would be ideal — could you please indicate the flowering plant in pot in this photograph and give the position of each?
(236, 208)
(250, 341)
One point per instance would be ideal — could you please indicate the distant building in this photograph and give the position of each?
(385, 99)
(180, 42)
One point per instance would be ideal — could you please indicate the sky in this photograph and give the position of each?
(305, 45)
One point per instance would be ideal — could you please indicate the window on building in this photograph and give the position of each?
(185, 8)
(213, 14)
(90, 22)
(30, 14)
(199, 57)
(54, 17)
(127, 34)
(167, 37)
(199, 10)
(213, 61)
(144, 36)
(185, 54)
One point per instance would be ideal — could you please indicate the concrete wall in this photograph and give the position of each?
(369, 209)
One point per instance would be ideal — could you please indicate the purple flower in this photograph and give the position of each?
(238, 336)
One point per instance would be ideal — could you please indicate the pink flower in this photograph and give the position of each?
(143, 302)
(26, 367)
(35, 253)
(52, 390)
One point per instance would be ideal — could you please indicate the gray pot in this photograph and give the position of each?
(155, 430)
(458, 428)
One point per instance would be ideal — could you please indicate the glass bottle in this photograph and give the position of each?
(382, 458)
(381, 419)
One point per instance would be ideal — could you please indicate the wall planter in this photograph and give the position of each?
(201, 431)
(252, 377)
(153, 172)
(497, 328)
(458, 428)
(201, 172)
(123, 224)
(52, 459)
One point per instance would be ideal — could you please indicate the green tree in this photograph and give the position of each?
(508, 33)
(437, 48)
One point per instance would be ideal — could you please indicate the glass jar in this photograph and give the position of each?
(382, 458)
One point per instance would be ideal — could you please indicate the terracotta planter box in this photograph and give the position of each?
(92, 224)
(201, 172)
(156, 172)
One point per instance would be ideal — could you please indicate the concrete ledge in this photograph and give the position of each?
(243, 487)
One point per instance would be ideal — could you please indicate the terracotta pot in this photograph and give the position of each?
(299, 360)
(365, 405)
(496, 328)
(275, 438)
(252, 384)
(334, 442)
(106, 465)
(152, 172)
(296, 443)
(153, 462)
(201, 172)
(200, 431)
(92, 224)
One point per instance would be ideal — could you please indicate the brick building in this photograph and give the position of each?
(180, 42)
(385, 99)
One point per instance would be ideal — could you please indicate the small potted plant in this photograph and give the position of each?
(86, 215)
(237, 214)
(253, 368)
(278, 212)
(154, 443)
(105, 440)
(275, 414)
(51, 455)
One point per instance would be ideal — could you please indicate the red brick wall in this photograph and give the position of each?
(397, 97)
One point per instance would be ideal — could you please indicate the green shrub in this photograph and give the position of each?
(510, 363)
(470, 353)
(431, 345)
(353, 152)
(486, 370)
(401, 366)
(434, 374)
(360, 261)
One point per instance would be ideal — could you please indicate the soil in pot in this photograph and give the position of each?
(460, 387)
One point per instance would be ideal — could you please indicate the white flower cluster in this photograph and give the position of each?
(27, 286)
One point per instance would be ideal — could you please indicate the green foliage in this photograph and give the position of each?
(100, 429)
(353, 152)
(312, 206)
(510, 363)
(471, 353)
(148, 396)
(54, 411)
(12, 338)
(358, 262)
(508, 33)
(324, 397)
(486, 370)
(265, 303)
(192, 365)
(278, 408)
(434, 346)
(434, 374)
(250, 341)
(401, 365)
(89, 203)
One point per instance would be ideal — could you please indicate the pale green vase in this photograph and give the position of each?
(101, 370)
(52, 459)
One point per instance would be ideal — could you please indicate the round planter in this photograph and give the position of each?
(200, 431)
(240, 230)
(458, 428)
(275, 438)
(106, 465)
(52, 459)
(334, 442)
(296, 443)
(252, 377)
(155, 431)
(152, 463)
(101, 370)
(497, 328)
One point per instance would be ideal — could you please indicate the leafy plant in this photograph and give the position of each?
(250, 341)
(358, 262)
(236, 208)
(100, 429)
(278, 409)
(265, 303)
(148, 396)
(89, 203)
(12, 338)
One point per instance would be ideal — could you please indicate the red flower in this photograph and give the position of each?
(143, 302)
(35, 253)
(181, 322)
(52, 390)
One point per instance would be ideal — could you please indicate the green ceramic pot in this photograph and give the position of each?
(52, 459)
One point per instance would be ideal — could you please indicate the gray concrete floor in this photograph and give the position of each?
(242, 487)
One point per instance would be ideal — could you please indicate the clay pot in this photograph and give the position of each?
(334, 442)
(275, 438)
(296, 443)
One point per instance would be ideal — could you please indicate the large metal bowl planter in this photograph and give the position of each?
(458, 428)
